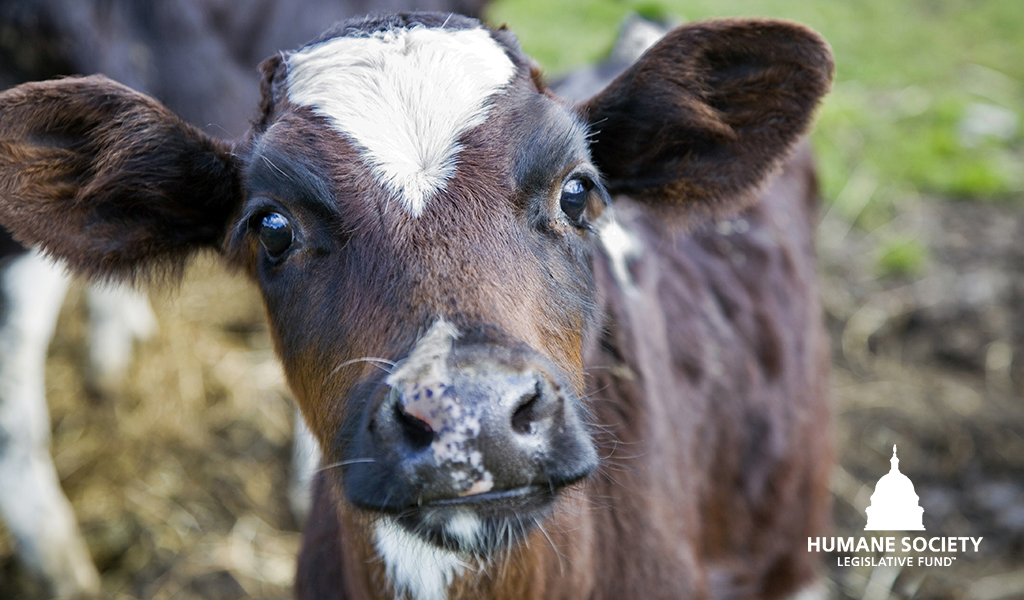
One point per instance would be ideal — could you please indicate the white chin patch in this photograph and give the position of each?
(416, 569)
(403, 97)
(467, 528)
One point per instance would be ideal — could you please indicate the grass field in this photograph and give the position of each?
(927, 100)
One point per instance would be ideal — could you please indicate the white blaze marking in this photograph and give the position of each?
(403, 97)
(413, 566)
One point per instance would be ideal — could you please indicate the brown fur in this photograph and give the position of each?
(732, 487)
(721, 99)
(75, 152)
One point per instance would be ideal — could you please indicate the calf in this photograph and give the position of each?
(533, 369)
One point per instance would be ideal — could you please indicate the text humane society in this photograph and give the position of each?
(888, 544)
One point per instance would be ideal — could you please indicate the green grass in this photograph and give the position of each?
(901, 257)
(909, 72)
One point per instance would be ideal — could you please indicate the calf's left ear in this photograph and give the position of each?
(705, 115)
(109, 180)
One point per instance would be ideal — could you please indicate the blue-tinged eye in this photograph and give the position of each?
(275, 234)
(575, 193)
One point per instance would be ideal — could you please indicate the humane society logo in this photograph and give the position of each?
(895, 507)
(894, 504)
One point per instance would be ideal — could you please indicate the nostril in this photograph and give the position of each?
(524, 418)
(417, 431)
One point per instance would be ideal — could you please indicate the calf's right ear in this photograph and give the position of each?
(109, 180)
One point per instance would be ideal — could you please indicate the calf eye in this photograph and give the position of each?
(275, 233)
(575, 193)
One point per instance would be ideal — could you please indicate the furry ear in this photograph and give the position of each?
(706, 114)
(273, 73)
(109, 180)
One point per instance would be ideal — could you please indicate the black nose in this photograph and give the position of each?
(445, 434)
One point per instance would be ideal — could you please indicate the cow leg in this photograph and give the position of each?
(118, 317)
(32, 503)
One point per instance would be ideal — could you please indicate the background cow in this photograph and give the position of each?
(527, 326)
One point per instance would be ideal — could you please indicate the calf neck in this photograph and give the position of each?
(534, 368)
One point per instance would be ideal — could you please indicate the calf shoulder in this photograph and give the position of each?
(708, 387)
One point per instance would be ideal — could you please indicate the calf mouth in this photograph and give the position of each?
(480, 525)
(473, 525)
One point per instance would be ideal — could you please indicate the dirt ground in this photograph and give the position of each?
(179, 482)
(933, 365)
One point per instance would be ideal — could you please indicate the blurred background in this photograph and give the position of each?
(179, 481)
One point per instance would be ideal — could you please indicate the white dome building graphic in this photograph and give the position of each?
(894, 505)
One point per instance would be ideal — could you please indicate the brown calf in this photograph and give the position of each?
(531, 369)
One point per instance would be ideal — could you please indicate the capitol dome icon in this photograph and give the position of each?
(894, 504)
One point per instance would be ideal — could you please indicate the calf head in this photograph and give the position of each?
(420, 215)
